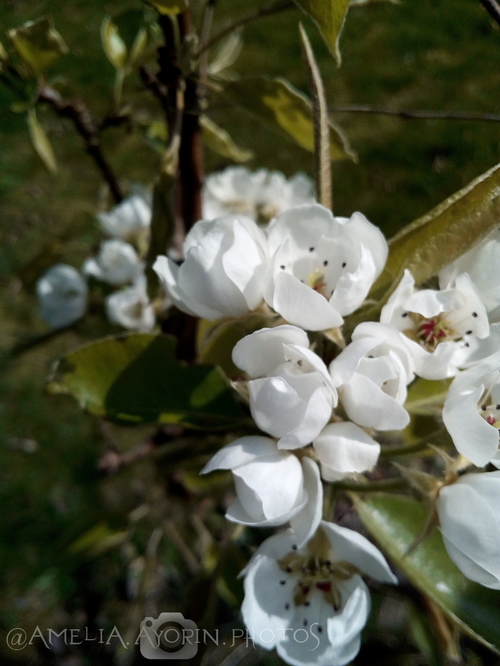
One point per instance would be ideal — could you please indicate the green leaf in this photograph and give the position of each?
(99, 539)
(113, 45)
(38, 43)
(284, 110)
(136, 378)
(218, 140)
(396, 522)
(329, 16)
(4, 56)
(426, 397)
(170, 7)
(425, 246)
(40, 142)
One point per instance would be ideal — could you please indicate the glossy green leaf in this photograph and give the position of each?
(40, 142)
(218, 140)
(170, 7)
(329, 16)
(395, 522)
(284, 110)
(427, 245)
(113, 45)
(38, 43)
(136, 378)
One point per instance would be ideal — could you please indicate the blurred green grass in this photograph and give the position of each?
(430, 54)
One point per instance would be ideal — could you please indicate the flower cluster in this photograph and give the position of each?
(62, 291)
(304, 273)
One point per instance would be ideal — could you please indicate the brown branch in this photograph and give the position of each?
(76, 111)
(410, 114)
(493, 9)
(260, 13)
(191, 148)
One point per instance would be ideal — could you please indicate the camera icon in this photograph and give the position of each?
(169, 636)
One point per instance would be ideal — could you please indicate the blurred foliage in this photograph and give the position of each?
(81, 500)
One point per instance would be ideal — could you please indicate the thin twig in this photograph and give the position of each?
(322, 161)
(249, 18)
(493, 9)
(80, 115)
(410, 114)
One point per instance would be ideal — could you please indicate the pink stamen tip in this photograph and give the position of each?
(491, 420)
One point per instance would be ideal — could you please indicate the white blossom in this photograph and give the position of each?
(469, 516)
(438, 324)
(129, 218)
(273, 487)
(291, 393)
(117, 263)
(481, 264)
(471, 411)
(62, 295)
(260, 195)
(371, 375)
(131, 307)
(310, 602)
(322, 267)
(223, 272)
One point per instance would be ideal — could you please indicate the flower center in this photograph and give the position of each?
(430, 332)
(314, 570)
(489, 411)
(316, 280)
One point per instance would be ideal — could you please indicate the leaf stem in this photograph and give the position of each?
(322, 161)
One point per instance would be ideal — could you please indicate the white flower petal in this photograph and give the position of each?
(275, 405)
(367, 405)
(395, 307)
(260, 353)
(317, 414)
(305, 522)
(245, 263)
(345, 448)
(352, 288)
(276, 480)
(240, 452)
(431, 302)
(469, 524)
(345, 365)
(301, 305)
(352, 547)
(472, 435)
